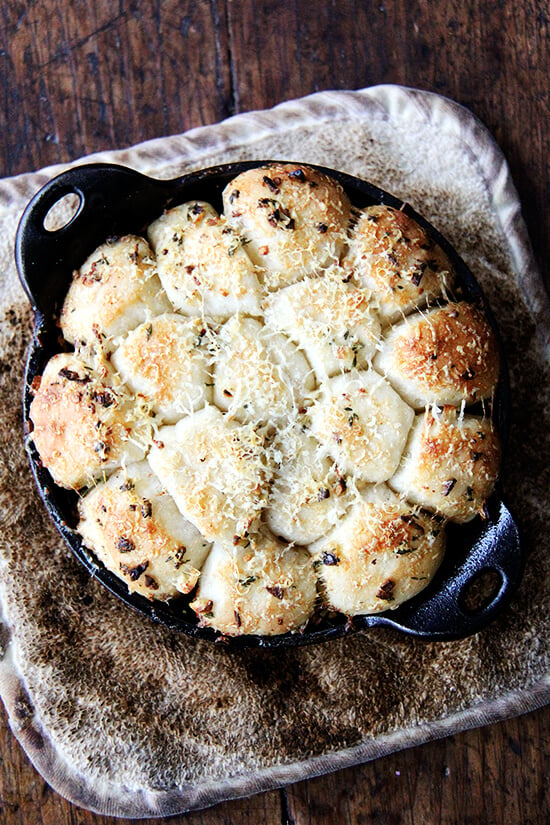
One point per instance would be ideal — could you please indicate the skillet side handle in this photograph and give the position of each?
(445, 616)
(113, 200)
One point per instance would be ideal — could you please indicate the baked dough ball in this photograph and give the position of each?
(166, 361)
(381, 554)
(390, 254)
(331, 321)
(138, 533)
(202, 263)
(295, 219)
(445, 356)
(82, 427)
(451, 463)
(261, 586)
(362, 423)
(308, 494)
(115, 290)
(215, 470)
(259, 375)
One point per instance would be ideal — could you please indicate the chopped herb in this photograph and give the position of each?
(448, 486)
(134, 572)
(146, 509)
(280, 218)
(70, 375)
(418, 273)
(125, 545)
(234, 195)
(340, 486)
(355, 349)
(268, 202)
(102, 449)
(276, 590)
(271, 184)
(330, 558)
(103, 397)
(386, 591)
(323, 494)
(322, 228)
(248, 581)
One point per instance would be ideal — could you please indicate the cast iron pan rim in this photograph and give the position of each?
(436, 613)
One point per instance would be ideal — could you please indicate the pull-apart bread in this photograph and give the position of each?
(274, 410)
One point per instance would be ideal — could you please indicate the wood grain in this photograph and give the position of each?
(81, 76)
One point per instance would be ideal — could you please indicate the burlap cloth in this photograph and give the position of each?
(126, 718)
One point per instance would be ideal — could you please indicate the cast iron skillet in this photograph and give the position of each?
(115, 200)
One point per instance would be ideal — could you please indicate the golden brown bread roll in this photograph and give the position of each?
(202, 262)
(294, 219)
(166, 361)
(115, 289)
(362, 423)
(382, 553)
(446, 356)
(390, 254)
(82, 427)
(136, 530)
(260, 586)
(451, 463)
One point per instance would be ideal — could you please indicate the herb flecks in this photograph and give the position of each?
(271, 183)
(134, 573)
(71, 375)
(125, 545)
(448, 486)
(275, 590)
(386, 591)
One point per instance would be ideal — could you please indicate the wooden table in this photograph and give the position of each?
(78, 76)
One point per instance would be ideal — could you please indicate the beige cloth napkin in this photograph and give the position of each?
(127, 718)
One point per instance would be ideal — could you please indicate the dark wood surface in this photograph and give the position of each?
(78, 76)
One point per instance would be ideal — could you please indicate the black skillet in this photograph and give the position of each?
(115, 200)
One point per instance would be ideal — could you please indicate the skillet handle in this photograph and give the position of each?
(113, 200)
(445, 615)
